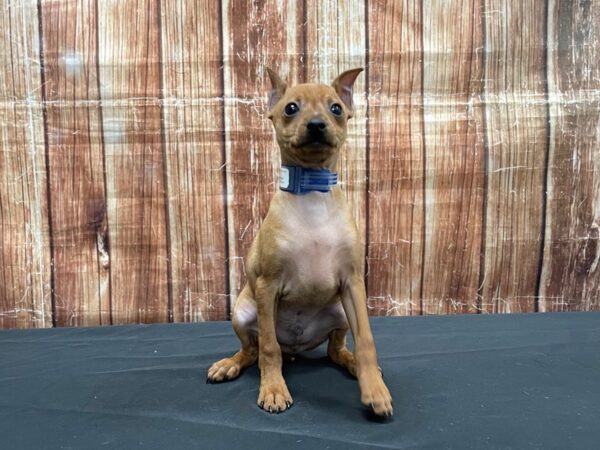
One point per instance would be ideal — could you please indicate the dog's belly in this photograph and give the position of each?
(300, 328)
(297, 328)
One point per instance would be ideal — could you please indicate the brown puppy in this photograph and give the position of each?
(304, 268)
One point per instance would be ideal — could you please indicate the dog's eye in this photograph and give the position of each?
(291, 109)
(336, 109)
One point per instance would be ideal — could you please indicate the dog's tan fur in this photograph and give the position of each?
(304, 269)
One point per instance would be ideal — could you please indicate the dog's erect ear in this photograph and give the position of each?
(343, 86)
(279, 87)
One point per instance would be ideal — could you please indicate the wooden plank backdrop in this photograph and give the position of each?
(76, 183)
(454, 170)
(396, 197)
(570, 268)
(25, 264)
(138, 161)
(195, 159)
(516, 140)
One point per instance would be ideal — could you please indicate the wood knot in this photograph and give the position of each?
(96, 214)
(97, 221)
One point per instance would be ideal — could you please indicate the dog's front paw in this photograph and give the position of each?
(274, 397)
(223, 370)
(375, 394)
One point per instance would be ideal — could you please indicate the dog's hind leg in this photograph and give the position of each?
(339, 353)
(245, 326)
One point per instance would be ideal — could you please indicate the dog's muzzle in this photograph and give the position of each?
(316, 133)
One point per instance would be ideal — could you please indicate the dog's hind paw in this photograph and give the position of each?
(223, 370)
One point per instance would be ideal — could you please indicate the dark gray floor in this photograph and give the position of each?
(481, 382)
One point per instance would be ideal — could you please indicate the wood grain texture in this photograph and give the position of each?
(137, 160)
(25, 296)
(395, 158)
(129, 52)
(193, 127)
(334, 43)
(76, 164)
(454, 161)
(570, 278)
(256, 35)
(517, 138)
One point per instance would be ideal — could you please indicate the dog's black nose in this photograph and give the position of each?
(315, 125)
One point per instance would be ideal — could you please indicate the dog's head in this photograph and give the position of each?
(310, 119)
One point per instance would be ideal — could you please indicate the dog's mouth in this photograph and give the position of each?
(317, 141)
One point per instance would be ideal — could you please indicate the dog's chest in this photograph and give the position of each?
(317, 244)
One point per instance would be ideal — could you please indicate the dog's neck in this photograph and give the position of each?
(300, 180)
(316, 173)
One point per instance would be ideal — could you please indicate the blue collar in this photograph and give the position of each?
(300, 180)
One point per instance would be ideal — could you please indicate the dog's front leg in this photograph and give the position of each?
(274, 395)
(373, 390)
